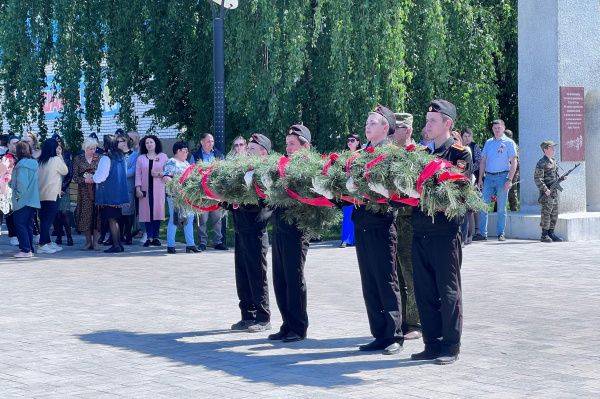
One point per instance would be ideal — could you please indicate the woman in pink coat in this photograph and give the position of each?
(149, 186)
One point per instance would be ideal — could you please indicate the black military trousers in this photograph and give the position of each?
(251, 247)
(376, 253)
(436, 272)
(289, 249)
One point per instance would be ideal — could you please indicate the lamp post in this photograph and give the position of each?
(219, 11)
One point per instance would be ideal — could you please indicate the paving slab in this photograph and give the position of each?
(144, 324)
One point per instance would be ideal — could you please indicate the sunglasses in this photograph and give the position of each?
(351, 140)
(239, 144)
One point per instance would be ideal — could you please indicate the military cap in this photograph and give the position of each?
(403, 119)
(443, 107)
(547, 143)
(388, 115)
(301, 132)
(261, 140)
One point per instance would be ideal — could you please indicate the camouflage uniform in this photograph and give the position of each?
(410, 312)
(546, 173)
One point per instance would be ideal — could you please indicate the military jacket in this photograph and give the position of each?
(441, 225)
(546, 173)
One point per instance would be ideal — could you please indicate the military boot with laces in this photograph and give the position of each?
(554, 237)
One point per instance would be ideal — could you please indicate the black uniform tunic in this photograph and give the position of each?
(289, 255)
(437, 258)
(375, 240)
(251, 247)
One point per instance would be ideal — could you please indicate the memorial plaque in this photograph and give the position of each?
(572, 124)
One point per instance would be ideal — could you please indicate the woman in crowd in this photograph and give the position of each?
(34, 143)
(238, 147)
(7, 163)
(25, 198)
(353, 143)
(177, 217)
(62, 222)
(111, 188)
(52, 169)
(150, 188)
(86, 213)
(124, 143)
(11, 158)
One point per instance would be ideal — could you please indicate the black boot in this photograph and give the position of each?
(545, 237)
(191, 249)
(554, 237)
(171, 250)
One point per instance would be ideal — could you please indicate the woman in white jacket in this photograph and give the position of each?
(51, 171)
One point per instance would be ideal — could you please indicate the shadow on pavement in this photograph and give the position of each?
(318, 363)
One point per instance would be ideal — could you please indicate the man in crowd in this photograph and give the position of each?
(251, 247)
(207, 154)
(498, 165)
(437, 252)
(290, 247)
(546, 173)
(411, 326)
(376, 242)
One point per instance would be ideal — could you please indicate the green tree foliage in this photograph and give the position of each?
(68, 59)
(321, 62)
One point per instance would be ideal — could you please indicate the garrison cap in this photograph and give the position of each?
(547, 143)
(261, 140)
(389, 116)
(301, 132)
(403, 119)
(443, 107)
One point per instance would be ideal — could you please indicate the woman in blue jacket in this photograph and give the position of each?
(25, 198)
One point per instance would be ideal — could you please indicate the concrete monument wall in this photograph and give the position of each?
(559, 45)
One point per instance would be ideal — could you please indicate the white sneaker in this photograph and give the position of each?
(56, 247)
(23, 255)
(36, 239)
(144, 238)
(14, 241)
(46, 249)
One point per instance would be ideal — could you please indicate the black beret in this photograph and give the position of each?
(301, 131)
(261, 140)
(388, 115)
(443, 107)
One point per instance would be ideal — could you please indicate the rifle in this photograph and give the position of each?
(556, 184)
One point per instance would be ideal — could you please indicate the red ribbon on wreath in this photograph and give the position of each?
(259, 191)
(369, 165)
(351, 158)
(430, 170)
(207, 191)
(318, 201)
(452, 176)
(332, 158)
(186, 173)
(351, 200)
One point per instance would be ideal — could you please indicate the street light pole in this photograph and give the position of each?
(219, 69)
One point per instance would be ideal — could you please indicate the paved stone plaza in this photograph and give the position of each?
(147, 325)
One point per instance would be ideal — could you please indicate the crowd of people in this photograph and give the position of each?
(121, 193)
(409, 262)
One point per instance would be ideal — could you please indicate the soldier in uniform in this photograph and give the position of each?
(375, 241)
(546, 173)
(251, 247)
(289, 249)
(411, 325)
(437, 252)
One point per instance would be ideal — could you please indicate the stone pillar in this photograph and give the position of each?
(559, 42)
(592, 149)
